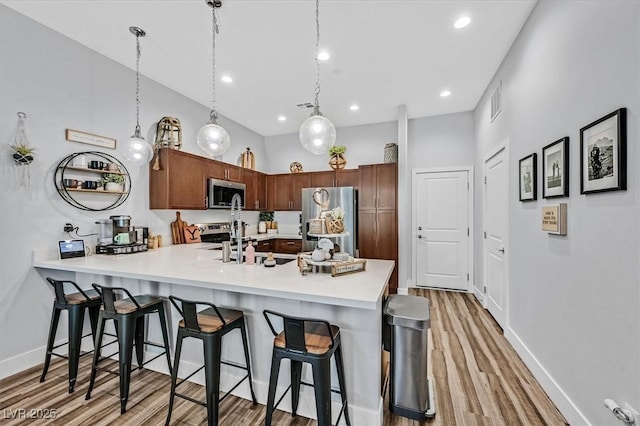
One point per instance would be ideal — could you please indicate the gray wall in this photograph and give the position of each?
(574, 301)
(60, 84)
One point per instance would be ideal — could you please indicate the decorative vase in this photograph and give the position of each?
(337, 162)
(113, 187)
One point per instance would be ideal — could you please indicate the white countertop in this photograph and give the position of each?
(196, 265)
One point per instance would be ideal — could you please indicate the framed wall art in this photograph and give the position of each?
(555, 169)
(89, 138)
(603, 154)
(528, 178)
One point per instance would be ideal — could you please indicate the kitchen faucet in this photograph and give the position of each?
(237, 232)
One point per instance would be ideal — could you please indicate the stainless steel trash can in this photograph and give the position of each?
(407, 321)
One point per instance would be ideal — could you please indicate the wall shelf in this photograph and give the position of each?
(104, 200)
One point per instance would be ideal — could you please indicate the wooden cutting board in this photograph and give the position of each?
(177, 230)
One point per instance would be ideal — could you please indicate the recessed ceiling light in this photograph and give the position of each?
(323, 55)
(462, 22)
(226, 79)
(282, 118)
(445, 93)
(354, 107)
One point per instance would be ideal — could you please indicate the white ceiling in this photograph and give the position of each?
(383, 53)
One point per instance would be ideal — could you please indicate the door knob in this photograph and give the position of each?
(501, 250)
(419, 236)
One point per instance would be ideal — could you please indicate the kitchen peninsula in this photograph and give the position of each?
(353, 302)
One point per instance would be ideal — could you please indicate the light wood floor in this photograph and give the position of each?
(478, 380)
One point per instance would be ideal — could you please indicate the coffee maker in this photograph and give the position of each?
(117, 236)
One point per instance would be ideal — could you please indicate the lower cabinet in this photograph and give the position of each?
(289, 246)
(264, 246)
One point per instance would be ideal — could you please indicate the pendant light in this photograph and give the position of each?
(317, 133)
(137, 150)
(212, 138)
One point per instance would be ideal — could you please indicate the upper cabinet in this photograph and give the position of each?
(180, 183)
(256, 192)
(334, 178)
(284, 191)
(378, 183)
(219, 170)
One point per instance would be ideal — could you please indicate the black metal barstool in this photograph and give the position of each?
(74, 303)
(312, 341)
(208, 325)
(128, 315)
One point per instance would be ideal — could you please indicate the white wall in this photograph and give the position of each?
(365, 145)
(60, 84)
(574, 301)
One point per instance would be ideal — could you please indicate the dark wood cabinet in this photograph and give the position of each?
(284, 191)
(289, 246)
(180, 183)
(256, 189)
(332, 178)
(219, 170)
(264, 246)
(377, 215)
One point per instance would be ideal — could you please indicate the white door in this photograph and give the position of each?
(495, 227)
(442, 229)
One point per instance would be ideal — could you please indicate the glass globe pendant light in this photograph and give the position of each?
(137, 150)
(317, 133)
(213, 138)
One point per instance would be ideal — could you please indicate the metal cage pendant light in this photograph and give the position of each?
(317, 133)
(213, 138)
(137, 150)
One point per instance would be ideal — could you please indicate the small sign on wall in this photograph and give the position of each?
(554, 219)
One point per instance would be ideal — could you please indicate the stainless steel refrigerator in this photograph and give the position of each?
(315, 200)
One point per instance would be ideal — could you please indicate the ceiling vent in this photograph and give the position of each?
(496, 101)
(305, 105)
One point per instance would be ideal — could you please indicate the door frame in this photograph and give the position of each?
(502, 146)
(470, 216)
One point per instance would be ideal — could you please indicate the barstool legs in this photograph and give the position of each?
(174, 373)
(55, 317)
(96, 354)
(165, 336)
(322, 387)
(342, 383)
(126, 330)
(296, 376)
(273, 383)
(212, 377)
(76, 321)
(245, 345)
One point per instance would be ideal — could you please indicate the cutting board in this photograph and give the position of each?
(177, 230)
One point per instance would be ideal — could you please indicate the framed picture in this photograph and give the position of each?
(528, 178)
(89, 138)
(555, 169)
(603, 154)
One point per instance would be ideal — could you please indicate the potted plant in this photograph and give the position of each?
(337, 160)
(22, 153)
(266, 220)
(113, 182)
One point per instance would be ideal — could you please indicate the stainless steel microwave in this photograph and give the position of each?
(220, 193)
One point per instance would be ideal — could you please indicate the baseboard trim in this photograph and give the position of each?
(479, 295)
(24, 361)
(568, 409)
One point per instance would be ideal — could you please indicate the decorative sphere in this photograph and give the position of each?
(213, 139)
(138, 151)
(317, 134)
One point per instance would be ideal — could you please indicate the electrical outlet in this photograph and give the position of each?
(68, 227)
(633, 411)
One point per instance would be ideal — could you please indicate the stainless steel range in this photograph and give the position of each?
(216, 232)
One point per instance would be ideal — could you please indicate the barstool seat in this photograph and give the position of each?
(74, 303)
(312, 341)
(129, 317)
(208, 325)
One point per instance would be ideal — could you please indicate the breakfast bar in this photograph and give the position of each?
(353, 302)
